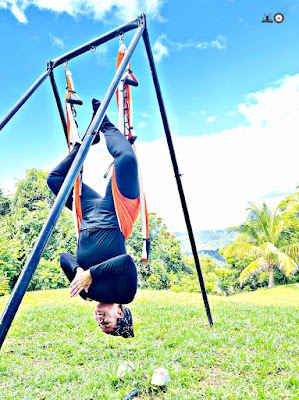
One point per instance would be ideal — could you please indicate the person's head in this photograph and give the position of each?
(114, 319)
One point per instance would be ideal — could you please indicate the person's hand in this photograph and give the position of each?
(81, 281)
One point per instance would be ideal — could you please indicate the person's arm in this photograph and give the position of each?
(82, 280)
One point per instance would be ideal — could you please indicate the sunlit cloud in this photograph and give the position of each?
(219, 43)
(224, 171)
(100, 10)
(163, 46)
(160, 50)
(212, 118)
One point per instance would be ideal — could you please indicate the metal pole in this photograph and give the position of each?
(59, 104)
(176, 171)
(96, 42)
(24, 279)
(23, 99)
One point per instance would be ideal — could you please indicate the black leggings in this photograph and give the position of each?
(113, 281)
(101, 239)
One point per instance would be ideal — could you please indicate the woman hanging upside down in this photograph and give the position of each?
(102, 271)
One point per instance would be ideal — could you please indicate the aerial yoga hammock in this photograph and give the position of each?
(102, 270)
(125, 107)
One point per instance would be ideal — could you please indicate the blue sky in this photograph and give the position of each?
(229, 83)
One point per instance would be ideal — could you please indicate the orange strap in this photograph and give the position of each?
(71, 125)
(127, 210)
(77, 202)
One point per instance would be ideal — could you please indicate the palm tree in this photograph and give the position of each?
(262, 237)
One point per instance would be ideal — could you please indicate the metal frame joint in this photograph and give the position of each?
(50, 65)
(142, 20)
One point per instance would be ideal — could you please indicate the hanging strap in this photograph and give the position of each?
(70, 89)
(125, 108)
(73, 138)
(127, 210)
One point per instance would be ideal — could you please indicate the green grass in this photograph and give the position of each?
(54, 349)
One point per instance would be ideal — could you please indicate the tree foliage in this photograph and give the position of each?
(267, 241)
(21, 220)
(166, 257)
(22, 217)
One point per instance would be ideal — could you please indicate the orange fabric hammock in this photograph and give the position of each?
(127, 210)
(124, 206)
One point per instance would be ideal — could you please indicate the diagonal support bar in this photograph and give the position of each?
(176, 171)
(24, 279)
(23, 99)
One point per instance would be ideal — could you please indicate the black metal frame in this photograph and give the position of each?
(36, 253)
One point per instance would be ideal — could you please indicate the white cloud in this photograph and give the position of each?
(56, 41)
(219, 43)
(13, 6)
(224, 171)
(98, 9)
(163, 46)
(283, 93)
(212, 119)
(160, 50)
(18, 13)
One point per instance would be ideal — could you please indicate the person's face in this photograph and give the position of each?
(106, 316)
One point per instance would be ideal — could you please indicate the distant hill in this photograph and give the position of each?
(211, 253)
(207, 241)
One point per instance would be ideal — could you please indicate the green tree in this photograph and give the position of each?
(290, 213)
(166, 257)
(5, 204)
(32, 189)
(262, 237)
(4, 285)
(20, 227)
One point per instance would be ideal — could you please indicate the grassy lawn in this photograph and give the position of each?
(55, 350)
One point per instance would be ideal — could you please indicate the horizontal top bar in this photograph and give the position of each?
(96, 42)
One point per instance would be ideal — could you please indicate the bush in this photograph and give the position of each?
(48, 275)
(20, 223)
(4, 287)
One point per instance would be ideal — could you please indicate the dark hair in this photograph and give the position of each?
(124, 326)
